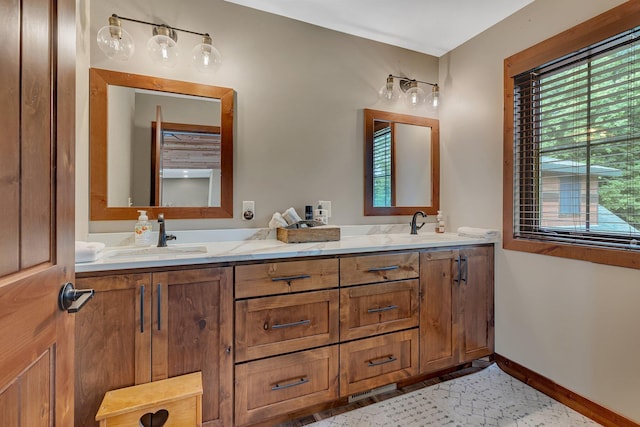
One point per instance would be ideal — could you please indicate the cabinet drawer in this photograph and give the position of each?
(282, 324)
(374, 309)
(270, 387)
(373, 362)
(285, 277)
(378, 268)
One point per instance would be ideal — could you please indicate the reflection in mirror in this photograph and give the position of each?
(402, 167)
(185, 163)
(160, 144)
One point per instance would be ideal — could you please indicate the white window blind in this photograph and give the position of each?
(382, 168)
(577, 147)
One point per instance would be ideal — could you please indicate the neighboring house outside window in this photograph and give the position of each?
(563, 195)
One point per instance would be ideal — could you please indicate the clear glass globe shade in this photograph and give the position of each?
(163, 50)
(115, 42)
(205, 58)
(387, 95)
(414, 97)
(434, 99)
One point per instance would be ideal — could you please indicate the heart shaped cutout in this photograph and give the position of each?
(156, 419)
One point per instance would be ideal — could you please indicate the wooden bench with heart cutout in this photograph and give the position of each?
(173, 402)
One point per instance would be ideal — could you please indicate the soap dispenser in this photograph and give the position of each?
(143, 230)
(439, 222)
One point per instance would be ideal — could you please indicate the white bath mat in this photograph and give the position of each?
(486, 398)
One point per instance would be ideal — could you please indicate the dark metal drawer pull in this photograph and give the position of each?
(290, 278)
(287, 325)
(465, 271)
(159, 306)
(383, 361)
(282, 387)
(378, 310)
(391, 267)
(142, 309)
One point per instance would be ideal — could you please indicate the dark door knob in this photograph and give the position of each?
(72, 299)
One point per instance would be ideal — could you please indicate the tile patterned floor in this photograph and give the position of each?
(489, 397)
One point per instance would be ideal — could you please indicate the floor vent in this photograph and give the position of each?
(373, 392)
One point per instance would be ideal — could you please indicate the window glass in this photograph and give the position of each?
(576, 175)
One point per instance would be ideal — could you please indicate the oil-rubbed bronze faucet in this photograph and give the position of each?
(414, 226)
(162, 234)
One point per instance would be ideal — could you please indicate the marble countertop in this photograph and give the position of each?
(205, 248)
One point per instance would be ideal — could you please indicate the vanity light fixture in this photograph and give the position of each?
(118, 44)
(413, 95)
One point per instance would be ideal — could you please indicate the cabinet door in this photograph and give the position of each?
(476, 303)
(439, 332)
(113, 340)
(193, 331)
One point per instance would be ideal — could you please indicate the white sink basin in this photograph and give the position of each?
(155, 252)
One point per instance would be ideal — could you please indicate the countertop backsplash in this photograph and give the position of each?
(242, 234)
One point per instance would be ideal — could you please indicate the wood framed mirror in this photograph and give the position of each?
(401, 164)
(131, 166)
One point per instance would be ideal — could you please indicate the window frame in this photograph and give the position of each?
(601, 27)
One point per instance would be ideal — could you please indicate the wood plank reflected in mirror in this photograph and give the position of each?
(126, 168)
(402, 164)
(186, 165)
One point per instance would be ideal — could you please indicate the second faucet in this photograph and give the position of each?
(413, 224)
(162, 233)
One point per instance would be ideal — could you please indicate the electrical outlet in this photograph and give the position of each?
(326, 204)
(248, 210)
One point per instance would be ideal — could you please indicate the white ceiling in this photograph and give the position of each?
(433, 27)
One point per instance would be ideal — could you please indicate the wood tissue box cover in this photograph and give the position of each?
(325, 233)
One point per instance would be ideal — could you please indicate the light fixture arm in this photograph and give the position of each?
(159, 25)
(412, 94)
(406, 82)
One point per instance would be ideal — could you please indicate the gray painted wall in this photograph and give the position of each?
(572, 321)
(300, 91)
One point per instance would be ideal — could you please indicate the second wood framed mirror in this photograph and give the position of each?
(401, 163)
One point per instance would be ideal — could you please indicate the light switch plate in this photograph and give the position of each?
(248, 210)
(326, 204)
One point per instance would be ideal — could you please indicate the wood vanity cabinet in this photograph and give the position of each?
(307, 331)
(456, 307)
(150, 326)
(286, 330)
(378, 320)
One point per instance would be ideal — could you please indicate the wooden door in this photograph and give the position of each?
(113, 340)
(193, 331)
(37, 117)
(439, 332)
(476, 303)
